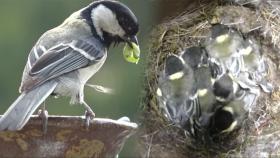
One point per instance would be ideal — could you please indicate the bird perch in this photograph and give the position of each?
(67, 137)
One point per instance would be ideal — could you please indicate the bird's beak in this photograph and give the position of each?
(131, 51)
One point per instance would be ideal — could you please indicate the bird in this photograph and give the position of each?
(175, 85)
(185, 89)
(67, 56)
(203, 99)
(205, 96)
(240, 58)
(228, 118)
(213, 91)
(223, 41)
(223, 46)
(255, 65)
(195, 56)
(226, 89)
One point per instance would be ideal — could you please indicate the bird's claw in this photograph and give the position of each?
(89, 115)
(43, 114)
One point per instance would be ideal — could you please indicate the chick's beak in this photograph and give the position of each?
(131, 50)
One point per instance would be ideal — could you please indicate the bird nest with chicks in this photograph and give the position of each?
(200, 102)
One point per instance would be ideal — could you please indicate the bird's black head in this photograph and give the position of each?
(174, 67)
(224, 86)
(112, 21)
(127, 20)
(218, 30)
(222, 121)
(195, 56)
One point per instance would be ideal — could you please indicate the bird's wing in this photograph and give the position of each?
(62, 59)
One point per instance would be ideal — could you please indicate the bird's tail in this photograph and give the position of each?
(21, 110)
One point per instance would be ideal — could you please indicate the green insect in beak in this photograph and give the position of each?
(131, 51)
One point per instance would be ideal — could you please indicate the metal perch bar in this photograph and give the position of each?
(67, 137)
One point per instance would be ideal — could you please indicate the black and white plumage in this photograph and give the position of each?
(204, 72)
(64, 58)
(195, 56)
(254, 65)
(185, 89)
(228, 118)
(223, 42)
(224, 46)
(174, 88)
(205, 95)
(225, 76)
(226, 89)
(239, 55)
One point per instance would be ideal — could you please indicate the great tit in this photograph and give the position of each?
(67, 56)
(227, 93)
(203, 98)
(210, 92)
(224, 45)
(175, 86)
(226, 89)
(204, 85)
(230, 88)
(228, 118)
(238, 55)
(195, 56)
(223, 42)
(254, 64)
(205, 95)
(224, 94)
(252, 58)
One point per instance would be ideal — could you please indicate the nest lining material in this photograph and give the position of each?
(261, 132)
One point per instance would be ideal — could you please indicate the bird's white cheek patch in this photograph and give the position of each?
(228, 109)
(202, 92)
(231, 127)
(220, 99)
(222, 38)
(105, 20)
(213, 81)
(235, 87)
(246, 51)
(176, 76)
(159, 93)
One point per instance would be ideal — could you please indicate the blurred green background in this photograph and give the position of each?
(23, 22)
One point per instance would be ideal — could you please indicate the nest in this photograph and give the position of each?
(261, 131)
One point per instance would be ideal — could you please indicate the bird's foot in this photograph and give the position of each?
(89, 115)
(43, 114)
